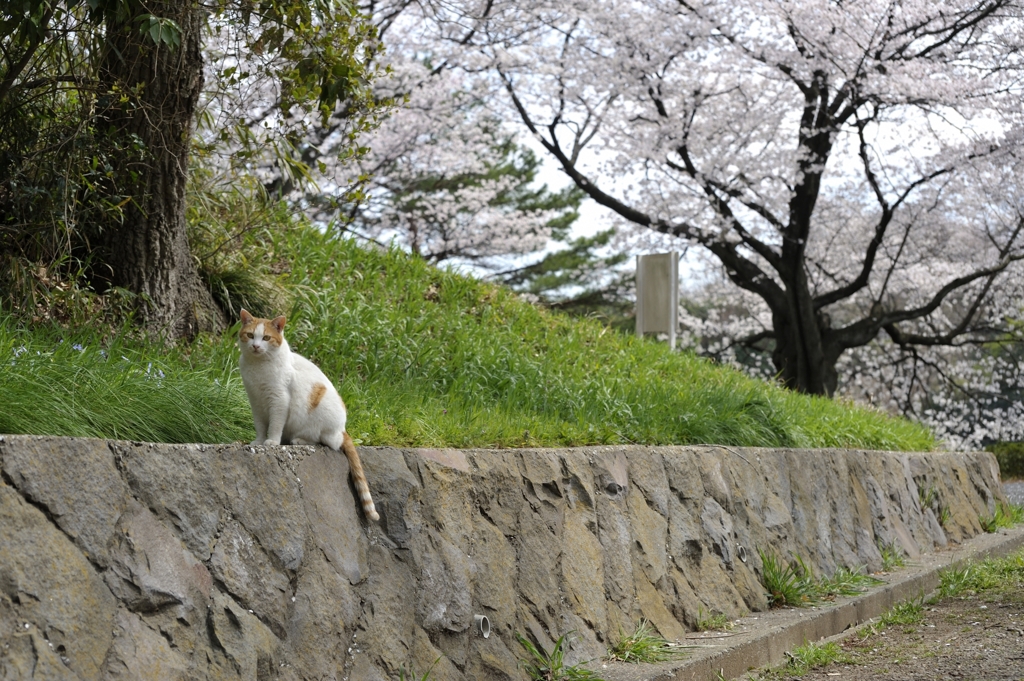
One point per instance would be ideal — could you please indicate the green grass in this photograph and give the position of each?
(794, 584)
(712, 622)
(542, 666)
(644, 645)
(1006, 516)
(422, 357)
(892, 556)
(807, 657)
(903, 614)
(975, 577)
(845, 582)
(81, 385)
(785, 583)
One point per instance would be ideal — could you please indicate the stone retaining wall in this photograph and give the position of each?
(140, 561)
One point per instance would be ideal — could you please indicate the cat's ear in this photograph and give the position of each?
(245, 317)
(278, 323)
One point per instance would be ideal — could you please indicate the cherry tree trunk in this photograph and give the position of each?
(802, 360)
(148, 116)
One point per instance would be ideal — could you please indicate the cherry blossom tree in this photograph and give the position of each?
(447, 180)
(854, 167)
(443, 176)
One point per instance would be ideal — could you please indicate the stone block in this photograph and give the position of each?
(58, 605)
(77, 482)
(231, 562)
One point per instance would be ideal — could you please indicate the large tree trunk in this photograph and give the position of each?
(149, 119)
(806, 350)
(802, 362)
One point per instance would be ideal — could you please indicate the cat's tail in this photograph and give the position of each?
(358, 476)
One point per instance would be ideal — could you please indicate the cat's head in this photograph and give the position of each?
(260, 337)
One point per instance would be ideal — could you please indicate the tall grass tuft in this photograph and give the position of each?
(543, 666)
(80, 385)
(892, 556)
(785, 583)
(793, 584)
(1006, 516)
(644, 644)
(973, 577)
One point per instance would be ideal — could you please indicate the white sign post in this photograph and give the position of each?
(657, 295)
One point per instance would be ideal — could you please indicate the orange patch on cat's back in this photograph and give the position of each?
(316, 394)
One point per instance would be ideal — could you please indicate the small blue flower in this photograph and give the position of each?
(77, 346)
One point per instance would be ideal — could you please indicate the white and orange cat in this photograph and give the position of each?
(292, 401)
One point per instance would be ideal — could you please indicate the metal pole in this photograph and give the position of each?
(673, 301)
(639, 299)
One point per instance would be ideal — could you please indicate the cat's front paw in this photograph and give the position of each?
(256, 443)
(271, 441)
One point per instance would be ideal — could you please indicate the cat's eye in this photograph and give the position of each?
(266, 338)
(248, 335)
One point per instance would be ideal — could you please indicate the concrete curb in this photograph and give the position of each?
(764, 638)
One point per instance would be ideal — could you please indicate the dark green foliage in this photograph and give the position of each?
(70, 176)
(1010, 456)
(221, 220)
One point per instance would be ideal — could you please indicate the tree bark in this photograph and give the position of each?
(805, 355)
(148, 116)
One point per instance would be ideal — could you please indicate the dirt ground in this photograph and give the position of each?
(977, 636)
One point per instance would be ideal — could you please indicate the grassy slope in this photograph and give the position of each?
(422, 357)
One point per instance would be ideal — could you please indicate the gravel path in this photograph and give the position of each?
(1014, 491)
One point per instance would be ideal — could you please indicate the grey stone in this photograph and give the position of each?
(444, 585)
(322, 619)
(51, 594)
(78, 483)
(232, 562)
(151, 570)
(332, 509)
(139, 652)
(266, 500)
(181, 488)
(30, 656)
(247, 571)
(245, 641)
